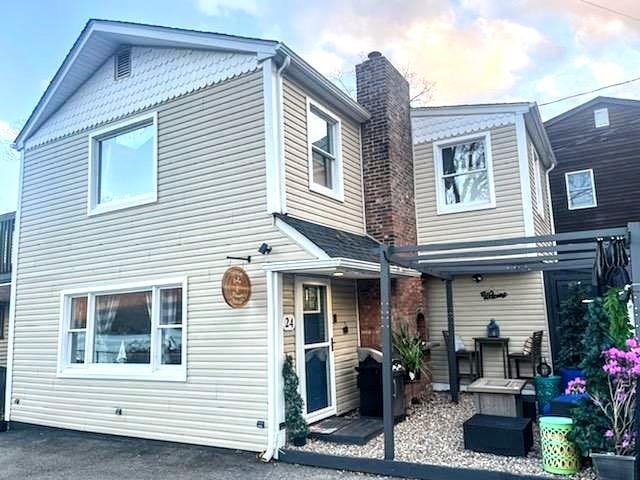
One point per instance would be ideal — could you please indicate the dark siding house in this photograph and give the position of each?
(596, 183)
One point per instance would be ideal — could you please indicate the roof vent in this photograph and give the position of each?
(122, 63)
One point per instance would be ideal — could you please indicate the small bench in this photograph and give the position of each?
(509, 436)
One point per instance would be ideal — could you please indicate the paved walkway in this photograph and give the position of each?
(44, 453)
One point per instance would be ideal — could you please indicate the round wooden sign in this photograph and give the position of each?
(236, 287)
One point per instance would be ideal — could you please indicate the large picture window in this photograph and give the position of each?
(581, 189)
(463, 174)
(325, 166)
(134, 331)
(123, 166)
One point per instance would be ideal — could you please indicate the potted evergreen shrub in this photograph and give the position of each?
(571, 327)
(617, 404)
(297, 428)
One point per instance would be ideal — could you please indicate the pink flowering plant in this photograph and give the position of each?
(623, 370)
(577, 386)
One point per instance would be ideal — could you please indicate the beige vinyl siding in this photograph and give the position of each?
(518, 315)
(506, 219)
(302, 202)
(4, 334)
(343, 299)
(211, 203)
(541, 223)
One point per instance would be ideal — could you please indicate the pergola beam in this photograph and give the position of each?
(443, 266)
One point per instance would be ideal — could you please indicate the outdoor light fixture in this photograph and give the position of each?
(264, 249)
(477, 278)
(338, 274)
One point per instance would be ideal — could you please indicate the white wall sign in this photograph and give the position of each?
(288, 323)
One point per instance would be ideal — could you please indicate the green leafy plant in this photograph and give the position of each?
(620, 328)
(571, 326)
(590, 424)
(410, 349)
(297, 426)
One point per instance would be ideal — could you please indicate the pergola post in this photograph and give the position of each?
(454, 388)
(634, 248)
(387, 352)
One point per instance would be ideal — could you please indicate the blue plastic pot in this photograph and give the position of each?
(569, 374)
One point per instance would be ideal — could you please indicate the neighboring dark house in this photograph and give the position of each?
(597, 147)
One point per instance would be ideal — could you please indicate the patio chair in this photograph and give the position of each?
(462, 354)
(531, 352)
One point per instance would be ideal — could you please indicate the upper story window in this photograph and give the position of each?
(325, 159)
(464, 177)
(581, 189)
(601, 117)
(123, 165)
(537, 178)
(127, 332)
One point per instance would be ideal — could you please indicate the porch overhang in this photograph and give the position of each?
(338, 267)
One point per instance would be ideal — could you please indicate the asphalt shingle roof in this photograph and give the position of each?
(336, 243)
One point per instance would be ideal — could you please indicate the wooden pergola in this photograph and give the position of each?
(563, 251)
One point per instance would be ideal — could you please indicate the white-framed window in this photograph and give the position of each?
(537, 178)
(325, 151)
(132, 331)
(464, 174)
(123, 165)
(581, 189)
(601, 117)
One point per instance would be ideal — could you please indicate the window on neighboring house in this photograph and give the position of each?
(601, 117)
(581, 189)
(134, 332)
(464, 177)
(325, 166)
(537, 178)
(3, 309)
(123, 165)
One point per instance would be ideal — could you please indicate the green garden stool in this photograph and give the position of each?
(547, 388)
(559, 454)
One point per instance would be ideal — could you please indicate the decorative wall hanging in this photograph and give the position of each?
(491, 295)
(236, 287)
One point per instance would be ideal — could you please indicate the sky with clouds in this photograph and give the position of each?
(467, 51)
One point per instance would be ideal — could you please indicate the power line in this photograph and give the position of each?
(590, 91)
(611, 10)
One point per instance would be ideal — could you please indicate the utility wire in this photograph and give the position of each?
(590, 91)
(611, 10)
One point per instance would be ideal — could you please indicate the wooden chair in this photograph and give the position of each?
(470, 356)
(531, 352)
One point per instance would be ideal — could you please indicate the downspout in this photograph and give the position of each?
(273, 292)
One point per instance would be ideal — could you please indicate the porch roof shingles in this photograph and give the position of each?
(335, 243)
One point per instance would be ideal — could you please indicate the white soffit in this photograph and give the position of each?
(157, 75)
(436, 127)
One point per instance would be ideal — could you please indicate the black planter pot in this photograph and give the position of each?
(614, 467)
(299, 441)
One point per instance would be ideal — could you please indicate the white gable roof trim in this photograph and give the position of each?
(157, 75)
(229, 56)
(431, 128)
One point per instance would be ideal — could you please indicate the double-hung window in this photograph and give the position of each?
(464, 177)
(325, 162)
(581, 189)
(123, 165)
(134, 331)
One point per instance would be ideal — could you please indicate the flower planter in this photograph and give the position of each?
(569, 374)
(299, 441)
(613, 467)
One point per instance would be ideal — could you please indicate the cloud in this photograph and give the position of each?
(221, 7)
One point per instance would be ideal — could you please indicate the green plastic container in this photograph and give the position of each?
(547, 388)
(559, 455)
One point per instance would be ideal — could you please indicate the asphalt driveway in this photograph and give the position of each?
(47, 453)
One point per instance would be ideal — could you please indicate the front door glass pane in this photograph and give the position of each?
(315, 330)
(317, 376)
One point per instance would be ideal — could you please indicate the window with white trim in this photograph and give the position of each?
(464, 177)
(581, 189)
(128, 332)
(123, 165)
(601, 117)
(537, 178)
(325, 163)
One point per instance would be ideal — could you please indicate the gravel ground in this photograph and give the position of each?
(432, 433)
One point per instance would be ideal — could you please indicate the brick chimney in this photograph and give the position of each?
(387, 156)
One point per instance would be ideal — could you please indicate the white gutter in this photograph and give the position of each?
(342, 263)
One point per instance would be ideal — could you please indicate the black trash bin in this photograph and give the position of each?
(370, 385)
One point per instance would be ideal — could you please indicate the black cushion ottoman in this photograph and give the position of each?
(510, 436)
